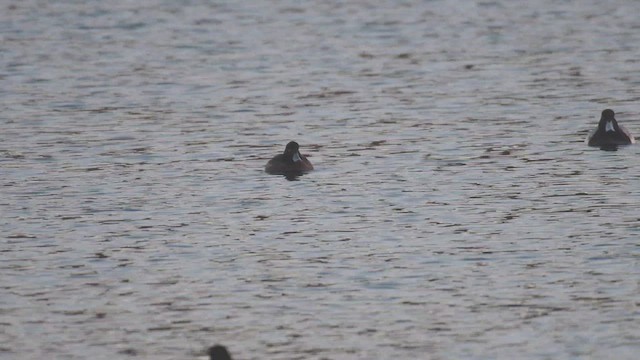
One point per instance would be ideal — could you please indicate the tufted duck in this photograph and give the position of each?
(289, 163)
(609, 133)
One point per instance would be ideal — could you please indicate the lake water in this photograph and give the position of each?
(455, 211)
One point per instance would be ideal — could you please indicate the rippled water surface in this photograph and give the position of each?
(455, 211)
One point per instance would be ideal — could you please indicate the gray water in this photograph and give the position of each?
(455, 211)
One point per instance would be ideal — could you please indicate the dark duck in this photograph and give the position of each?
(290, 163)
(609, 133)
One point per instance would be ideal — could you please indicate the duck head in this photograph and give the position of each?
(292, 152)
(608, 121)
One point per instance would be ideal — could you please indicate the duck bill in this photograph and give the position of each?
(296, 157)
(609, 126)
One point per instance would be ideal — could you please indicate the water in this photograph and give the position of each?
(455, 211)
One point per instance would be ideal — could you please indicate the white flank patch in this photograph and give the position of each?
(609, 126)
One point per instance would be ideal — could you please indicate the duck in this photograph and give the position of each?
(219, 352)
(290, 162)
(609, 132)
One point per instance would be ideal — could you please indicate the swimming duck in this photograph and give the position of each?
(609, 133)
(290, 162)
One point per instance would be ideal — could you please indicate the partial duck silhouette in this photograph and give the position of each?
(609, 134)
(290, 163)
(219, 352)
